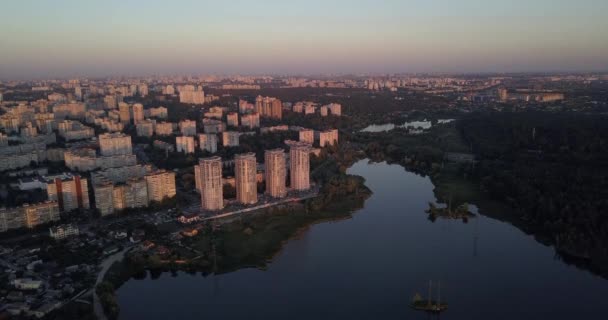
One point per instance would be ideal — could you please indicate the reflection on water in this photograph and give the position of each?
(424, 124)
(369, 267)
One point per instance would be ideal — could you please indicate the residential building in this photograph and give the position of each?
(142, 89)
(28, 215)
(335, 108)
(161, 185)
(169, 90)
(85, 159)
(230, 138)
(191, 94)
(307, 136)
(73, 110)
(232, 119)
(125, 112)
(328, 138)
(111, 144)
(269, 107)
(324, 110)
(163, 145)
(215, 112)
(138, 113)
(158, 112)
(275, 173)
(208, 142)
(245, 175)
(70, 191)
(251, 120)
(109, 197)
(63, 231)
(184, 144)
(210, 175)
(164, 128)
(299, 157)
(213, 126)
(187, 127)
(74, 130)
(145, 128)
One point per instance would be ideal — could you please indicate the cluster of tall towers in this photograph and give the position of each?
(209, 176)
(269, 107)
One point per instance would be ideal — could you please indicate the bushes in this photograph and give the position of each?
(107, 297)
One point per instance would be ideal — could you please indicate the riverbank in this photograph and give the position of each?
(511, 184)
(248, 240)
(370, 264)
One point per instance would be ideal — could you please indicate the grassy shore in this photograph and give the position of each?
(251, 240)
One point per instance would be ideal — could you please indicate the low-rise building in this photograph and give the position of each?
(328, 138)
(184, 144)
(145, 128)
(232, 119)
(63, 231)
(251, 120)
(28, 215)
(164, 128)
(230, 138)
(74, 130)
(213, 126)
(307, 136)
(187, 127)
(163, 145)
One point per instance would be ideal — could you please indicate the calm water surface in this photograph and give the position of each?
(424, 124)
(370, 266)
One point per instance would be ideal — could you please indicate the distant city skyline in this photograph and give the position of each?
(45, 39)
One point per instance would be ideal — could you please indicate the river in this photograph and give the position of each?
(421, 124)
(370, 266)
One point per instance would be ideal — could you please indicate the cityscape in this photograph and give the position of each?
(252, 176)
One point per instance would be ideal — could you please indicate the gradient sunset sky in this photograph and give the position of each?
(127, 37)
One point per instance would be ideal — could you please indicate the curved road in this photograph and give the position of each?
(105, 266)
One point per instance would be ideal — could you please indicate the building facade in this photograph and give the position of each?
(232, 119)
(210, 175)
(164, 128)
(28, 215)
(145, 128)
(251, 120)
(245, 170)
(111, 144)
(328, 137)
(299, 167)
(70, 191)
(161, 185)
(138, 113)
(307, 136)
(187, 127)
(125, 112)
(275, 173)
(208, 142)
(184, 144)
(230, 138)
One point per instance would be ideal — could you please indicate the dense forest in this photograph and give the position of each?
(552, 169)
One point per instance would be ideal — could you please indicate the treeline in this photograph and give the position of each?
(362, 106)
(552, 168)
(422, 153)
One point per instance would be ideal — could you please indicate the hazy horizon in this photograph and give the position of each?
(64, 38)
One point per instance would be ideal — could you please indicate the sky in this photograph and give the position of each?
(64, 38)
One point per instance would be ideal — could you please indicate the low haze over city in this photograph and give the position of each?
(303, 159)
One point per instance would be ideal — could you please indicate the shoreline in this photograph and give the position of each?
(274, 227)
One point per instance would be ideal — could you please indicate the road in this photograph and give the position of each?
(105, 266)
(271, 204)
